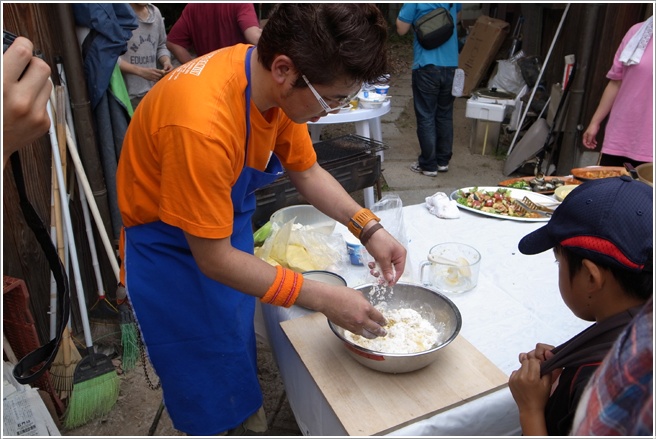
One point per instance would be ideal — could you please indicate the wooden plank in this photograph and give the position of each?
(368, 402)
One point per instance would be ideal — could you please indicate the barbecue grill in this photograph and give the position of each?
(351, 159)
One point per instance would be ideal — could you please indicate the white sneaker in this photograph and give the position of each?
(444, 168)
(416, 168)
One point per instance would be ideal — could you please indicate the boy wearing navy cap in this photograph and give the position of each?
(601, 236)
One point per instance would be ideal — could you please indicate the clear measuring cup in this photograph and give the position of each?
(452, 267)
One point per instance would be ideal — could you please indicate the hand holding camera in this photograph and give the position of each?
(25, 92)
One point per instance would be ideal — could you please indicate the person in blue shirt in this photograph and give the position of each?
(432, 80)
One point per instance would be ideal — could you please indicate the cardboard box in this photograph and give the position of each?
(480, 49)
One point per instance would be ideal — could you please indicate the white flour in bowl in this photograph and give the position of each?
(407, 333)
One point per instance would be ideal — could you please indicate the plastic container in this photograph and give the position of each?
(370, 99)
(327, 277)
(306, 215)
(381, 89)
(485, 111)
(355, 250)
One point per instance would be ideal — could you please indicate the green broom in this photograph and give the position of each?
(129, 330)
(95, 382)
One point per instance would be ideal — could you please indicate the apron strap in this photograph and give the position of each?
(248, 99)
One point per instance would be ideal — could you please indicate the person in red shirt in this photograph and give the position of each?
(205, 27)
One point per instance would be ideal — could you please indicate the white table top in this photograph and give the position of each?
(515, 305)
(357, 115)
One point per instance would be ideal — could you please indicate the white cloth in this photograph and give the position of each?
(442, 206)
(634, 49)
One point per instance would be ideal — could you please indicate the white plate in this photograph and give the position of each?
(514, 193)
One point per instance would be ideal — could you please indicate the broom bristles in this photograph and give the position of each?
(62, 373)
(92, 398)
(104, 320)
(129, 341)
(129, 336)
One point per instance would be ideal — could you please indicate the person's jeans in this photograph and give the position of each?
(431, 90)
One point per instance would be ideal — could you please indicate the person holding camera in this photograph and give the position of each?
(25, 93)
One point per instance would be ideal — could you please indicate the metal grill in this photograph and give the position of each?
(344, 147)
(351, 159)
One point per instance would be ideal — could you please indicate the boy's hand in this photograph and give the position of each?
(542, 352)
(528, 388)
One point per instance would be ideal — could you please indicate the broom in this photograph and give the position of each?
(128, 327)
(129, 330)
(103, 314)
(95, 382)
(67, 358)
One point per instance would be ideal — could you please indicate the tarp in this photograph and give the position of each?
(110, 27)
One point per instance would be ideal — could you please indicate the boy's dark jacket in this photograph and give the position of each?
(580, 357)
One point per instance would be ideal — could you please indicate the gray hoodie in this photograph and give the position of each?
(147, 45)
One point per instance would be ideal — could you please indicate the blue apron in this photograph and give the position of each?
(199, 333)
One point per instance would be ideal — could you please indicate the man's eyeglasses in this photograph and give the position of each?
(341, 102)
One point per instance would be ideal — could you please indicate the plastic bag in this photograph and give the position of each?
(301, 249)
(390, 211)
(508, 77)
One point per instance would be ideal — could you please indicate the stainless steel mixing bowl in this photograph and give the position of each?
(431, 305)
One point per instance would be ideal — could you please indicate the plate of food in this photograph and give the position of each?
(596, 172)
(562, 191)
(539, 184)
(497, 202)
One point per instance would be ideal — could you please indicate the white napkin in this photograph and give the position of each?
(442, 206)
(634, 49)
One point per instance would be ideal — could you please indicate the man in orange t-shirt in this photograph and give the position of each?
(200, 143)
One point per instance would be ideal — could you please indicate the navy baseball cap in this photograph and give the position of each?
(609, 221)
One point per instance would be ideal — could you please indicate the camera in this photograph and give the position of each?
(7, 40)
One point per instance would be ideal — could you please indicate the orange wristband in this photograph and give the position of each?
(275, 287)
(296, 289)
(285, 288)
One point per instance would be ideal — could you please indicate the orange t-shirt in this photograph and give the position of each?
(184, 148)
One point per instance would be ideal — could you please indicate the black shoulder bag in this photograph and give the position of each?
(434, 28)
